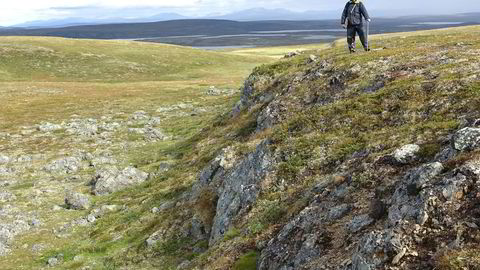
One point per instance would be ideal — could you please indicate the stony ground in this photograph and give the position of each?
(49, 192)
(69, 136)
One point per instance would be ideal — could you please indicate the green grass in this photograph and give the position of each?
(247, 261)
(401, 112)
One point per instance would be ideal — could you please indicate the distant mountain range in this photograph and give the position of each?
(255, 14)
(65, 22)
(215, 27)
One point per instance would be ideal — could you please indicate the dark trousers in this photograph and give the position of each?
(352, 30)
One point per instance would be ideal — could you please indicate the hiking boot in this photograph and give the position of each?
(352, 50)
(367, 49)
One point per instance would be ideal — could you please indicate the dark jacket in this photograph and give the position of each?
(353, 13)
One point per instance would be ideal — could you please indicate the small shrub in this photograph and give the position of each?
(231, 234)
(256, 227)
(273, 214)
(247, 261)
(459, 260)
(429, 150)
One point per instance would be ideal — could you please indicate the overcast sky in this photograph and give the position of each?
(17, 11)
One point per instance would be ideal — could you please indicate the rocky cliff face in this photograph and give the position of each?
(366, 162)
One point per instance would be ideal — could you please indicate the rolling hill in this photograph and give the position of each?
(215, 27)
(323, 159)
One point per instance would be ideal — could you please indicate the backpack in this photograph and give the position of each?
(351, 13)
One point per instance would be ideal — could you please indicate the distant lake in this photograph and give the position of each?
(246, 35)
(217, 48)
(430, 24)
(439, 23)
(298, 31)
(313, 37)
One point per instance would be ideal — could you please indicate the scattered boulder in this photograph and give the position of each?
(48, 127)
(4, 171)
(312, 58)
(98, 161)
(103, 210)
(164, 207)
(150, 134)
(467, 139)
(91, 218)
(139, 115)
(77, 201)
(111, 179)
(214, 91)
(291, 54)
(65, 165)
(8, 231)
(25, 158)
(4, 159)
(6, 196)
(83, 127)
(52, 262)
(155, 238)
(406, 154)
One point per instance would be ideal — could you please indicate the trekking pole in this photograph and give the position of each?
(368, 34)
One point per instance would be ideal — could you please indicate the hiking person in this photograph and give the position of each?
(352, 20)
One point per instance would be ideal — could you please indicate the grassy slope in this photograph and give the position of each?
(47, 78)
(400, 113)
(397, 111)
(52, 79)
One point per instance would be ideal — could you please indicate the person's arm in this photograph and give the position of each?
(364, 11)
(345, 13)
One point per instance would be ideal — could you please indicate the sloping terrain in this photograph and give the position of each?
(72, 110)
(327, 161)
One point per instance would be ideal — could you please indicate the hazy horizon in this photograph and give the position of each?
(22, 11)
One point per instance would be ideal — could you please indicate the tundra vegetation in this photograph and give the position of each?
(124, 155)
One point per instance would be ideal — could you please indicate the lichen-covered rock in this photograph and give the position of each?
(241, 188)
(4, 159)
(410, 200)
(406, 154)
(8, 231)
(111, 179)
(358, 223)
(77, 201)
(49, 127)
(6, 196)
(304, 238)
(83, 127)
(251, 85)
(65, 165)
(98, 161)
(467, 139)
(376, 249)
(5, 171)
(149, 133)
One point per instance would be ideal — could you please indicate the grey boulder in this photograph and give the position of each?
(111, 179)
(406, 154)
(467, 139)
(77, 201)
